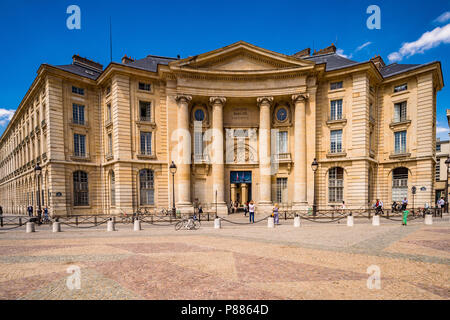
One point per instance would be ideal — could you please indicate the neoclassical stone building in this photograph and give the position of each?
(240, 122)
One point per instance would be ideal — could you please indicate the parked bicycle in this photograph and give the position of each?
(188, 224)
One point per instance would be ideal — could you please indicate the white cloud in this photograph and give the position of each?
(341, 53)
(441, 130)
(428, 40)
(363, 46)
(443, 17)
(5, 116)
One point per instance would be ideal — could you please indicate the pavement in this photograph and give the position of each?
(238, 261)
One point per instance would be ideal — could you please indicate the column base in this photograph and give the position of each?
(264, 207)
(222, 208)
(184, 208)
(302, 206)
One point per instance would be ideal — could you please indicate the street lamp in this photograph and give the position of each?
(38, 170)
(447, 163)
(173, 170)
(314, 167)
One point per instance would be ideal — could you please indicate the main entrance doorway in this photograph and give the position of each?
(241, 187)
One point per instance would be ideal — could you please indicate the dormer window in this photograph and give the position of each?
(336, 85)
(77, 90)
(144, 86)
(400, 88)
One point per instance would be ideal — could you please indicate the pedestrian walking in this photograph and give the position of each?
(276, 214)
(30, 211)
(246, 209)
(1, 211)
(251, 210)
(404, 204)
(405, 217)
(46, 219)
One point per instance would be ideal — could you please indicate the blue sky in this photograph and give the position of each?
(35, 32)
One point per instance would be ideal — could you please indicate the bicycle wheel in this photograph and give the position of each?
(179, 224)
(196, 224)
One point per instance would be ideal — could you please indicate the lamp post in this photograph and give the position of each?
(314, 167)
(447, 163)
(38, 170)
(173, 170)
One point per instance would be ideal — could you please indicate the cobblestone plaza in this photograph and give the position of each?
(315, 261)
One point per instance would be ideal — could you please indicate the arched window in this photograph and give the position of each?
(112, 182)
(147, 190)
(80, 188)
(399, 184)
(336, 184)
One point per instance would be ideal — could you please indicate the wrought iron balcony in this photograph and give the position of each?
(80, 156)
(336, 152)
(145, 119)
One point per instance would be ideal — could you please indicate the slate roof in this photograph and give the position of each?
(83, 71)
(333, 61)
(150, 63)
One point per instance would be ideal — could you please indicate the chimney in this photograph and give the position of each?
(330, 49)
(303, 53)
(84, 62)
(126, 59)
(378, 61)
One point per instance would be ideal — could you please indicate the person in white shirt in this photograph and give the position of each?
(251, 210)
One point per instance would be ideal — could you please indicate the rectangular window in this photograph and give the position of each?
(77, 90)
(282, 190)
(336, 85)
(146, 143)
(400, 112)
(336, 141)
(79, 145)
(438, 148)
(438, 170)
(198, 144)
(402, 87)
(144, 86)
(336, 110)
(110, 144)
(78, 114)
(336, 184)
(108, 113)
(400, 142)
(108, 90)
(282, 142)
(145, 111)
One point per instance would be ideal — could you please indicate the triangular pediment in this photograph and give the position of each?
(241, 57)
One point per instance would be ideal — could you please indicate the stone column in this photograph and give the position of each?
(233, 192)
(218, 167)
(244, 192)
(300, 195)
(183, 175)
(265, 199)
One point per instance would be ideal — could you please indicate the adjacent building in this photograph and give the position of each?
(240, 122)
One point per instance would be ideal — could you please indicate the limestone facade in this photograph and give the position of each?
(240, 123)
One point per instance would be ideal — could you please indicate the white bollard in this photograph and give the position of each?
(376, 221)
(270, 222)
(428, 219)
(110, 226)
(137, 225)
(297, 222)
(217, 223)
(30, 227)
(349, 221)
(56, 226)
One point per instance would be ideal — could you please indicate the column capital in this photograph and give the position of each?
(183, 98)
(217, 100)
(300, 97)
(264, 100)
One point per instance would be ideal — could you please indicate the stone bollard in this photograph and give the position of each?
(217, 223)
(349, 221)
(428, 219)
(56, 226)
(30, 227)
(297, 222)
(137, 225)
(270, 222)
(110, 226)
(376, 220)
